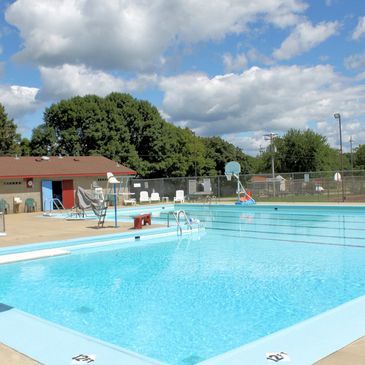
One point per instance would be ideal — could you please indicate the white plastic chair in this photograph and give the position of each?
(155, 197)
(180, 196)
(130, 201)
(143, 197)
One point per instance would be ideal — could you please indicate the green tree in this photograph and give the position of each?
(132, 132)
(43, 141)
(301, 151)
(359, 157)
(221, 152)
(25, 148)
(9, 138)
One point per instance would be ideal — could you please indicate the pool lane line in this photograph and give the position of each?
(288, 219)
(295, 241)
(283, 225)
(284, 233)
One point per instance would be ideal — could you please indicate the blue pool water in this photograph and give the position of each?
(254, 271)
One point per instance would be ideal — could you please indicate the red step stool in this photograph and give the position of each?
(142, 219)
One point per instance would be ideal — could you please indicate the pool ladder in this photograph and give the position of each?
(177, 215)
(53, 203)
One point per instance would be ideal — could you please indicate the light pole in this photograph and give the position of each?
(270, 137)
(352, 166)
(338, 116)
(352, 161)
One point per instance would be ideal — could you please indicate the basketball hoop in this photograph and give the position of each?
(229, 177)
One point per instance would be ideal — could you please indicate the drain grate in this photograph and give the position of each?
(192, 360)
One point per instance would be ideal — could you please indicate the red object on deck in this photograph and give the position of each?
(142, 219)
(68, 198)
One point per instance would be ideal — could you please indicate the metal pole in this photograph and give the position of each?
(271, 137)
(352, 161)
(352, 166)
(115, 206)
(338, 116)
(273, 168)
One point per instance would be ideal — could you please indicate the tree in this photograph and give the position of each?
(43, 141)
(9, 138)
(129, 131)
(221, 152)
(301, 151)
(359, 157)
(25, 148)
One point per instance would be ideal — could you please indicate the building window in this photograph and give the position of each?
(12, 183)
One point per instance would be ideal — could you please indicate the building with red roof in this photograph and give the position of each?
(44, 178)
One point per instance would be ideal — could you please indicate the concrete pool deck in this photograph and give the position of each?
(26, 228)
(352, 354)
(9, 356)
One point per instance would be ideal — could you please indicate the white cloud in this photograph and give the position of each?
(234, 64)
(254, 55)
(304, 37)
(251, 144)
(356, 61)
(18, 100)
(133, 34)
(68, 80)
(277, 99)
(350, 128)
(360, 29)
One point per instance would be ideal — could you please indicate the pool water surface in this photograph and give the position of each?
(182, 300)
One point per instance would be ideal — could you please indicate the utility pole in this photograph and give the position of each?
(270, 137)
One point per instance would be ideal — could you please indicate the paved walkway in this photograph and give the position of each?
(8, 356)
(26, 228)
(352, 354)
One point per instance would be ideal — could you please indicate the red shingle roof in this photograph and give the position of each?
(24, 167)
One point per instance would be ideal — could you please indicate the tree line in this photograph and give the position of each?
(133, 133)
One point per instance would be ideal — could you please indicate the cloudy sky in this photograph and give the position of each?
(234, 68)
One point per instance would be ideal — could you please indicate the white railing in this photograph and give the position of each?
(177, 215)
(52, 204)
(2, 224)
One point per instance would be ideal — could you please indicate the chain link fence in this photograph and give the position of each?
(286, 187)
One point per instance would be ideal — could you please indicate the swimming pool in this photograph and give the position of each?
(182, 300)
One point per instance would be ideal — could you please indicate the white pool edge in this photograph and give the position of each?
(305, 342)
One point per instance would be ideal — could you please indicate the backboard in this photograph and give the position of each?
(232, 168)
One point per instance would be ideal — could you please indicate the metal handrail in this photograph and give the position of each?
(3, 219)
(176, 215)
(53, 202)
(187, 220)
(210, 198)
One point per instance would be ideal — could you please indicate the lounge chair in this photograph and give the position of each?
(179, 197)
(131, 201)
(155, 197)
(143, 197)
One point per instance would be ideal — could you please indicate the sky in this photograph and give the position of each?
(239, 69)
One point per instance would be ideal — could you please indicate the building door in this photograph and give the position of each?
(47, 194)
(68, 198)
(57, 194)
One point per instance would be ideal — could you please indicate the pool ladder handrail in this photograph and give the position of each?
(2, 227)
(54, 203)
(210, 198)
(176, 215)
